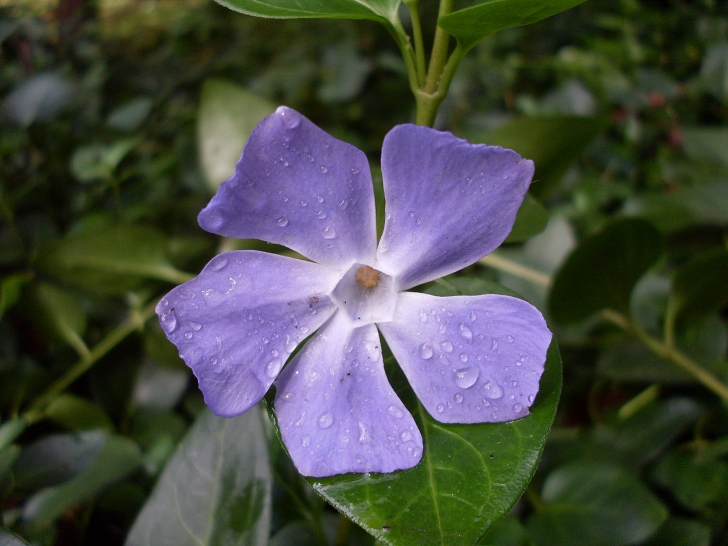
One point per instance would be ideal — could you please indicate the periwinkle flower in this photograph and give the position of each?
(469, 359)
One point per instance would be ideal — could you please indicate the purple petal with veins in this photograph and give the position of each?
(470, 359)
(336, 410)
(238, 321)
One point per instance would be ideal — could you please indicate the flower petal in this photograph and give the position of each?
(470, 359)
(336, 410)
(237, 322)
(448, 202)
(297, 186)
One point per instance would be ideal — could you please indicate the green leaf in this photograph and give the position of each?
(468, 479)
(507, 532)
(553, 143)
(376, 10)
(111, 260)
(700, 287)
(706, 144)
(595, 503)
(99, 161)
(215, 490)
(531, 219)
(130, 115)
(9, 539)
(681, 532)
(58, 314)
(76, 413)
(118, 457)
(10, 289)
(226, 117)
(695, 483)
(470, 25)
(601, 272)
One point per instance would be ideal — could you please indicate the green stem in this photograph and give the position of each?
(408, 54)
(507, 266)
(134, 322)
(414, 8)
(440, 48)
(660, 348)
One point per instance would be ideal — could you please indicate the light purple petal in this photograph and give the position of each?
(237, 322)
(297, 186)
(448, 202)
(337, 412)
(470, 359)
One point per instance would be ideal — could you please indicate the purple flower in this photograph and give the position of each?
(469, 359)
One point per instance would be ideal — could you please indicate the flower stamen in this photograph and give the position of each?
(366, 276)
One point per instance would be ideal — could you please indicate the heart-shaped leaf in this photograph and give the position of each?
(469, 477)
(470, 25)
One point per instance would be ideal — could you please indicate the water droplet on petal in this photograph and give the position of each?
(395, 412)
(423, 316)
(321, 214)
(292, 118)
(472, 316)
(458, 397)
(492, 390)
(440, 408)
(219, 264)
(517, 408)
(305, 441)
(405, 436)
(282, 221)
(169, 321)
(466, 332)
(344, 203)
(329, 232)
(531, 398)
(354, 170)
(463, 357)
(467, 377)
(324, 169)
(494, 345)
(304, 204)
(446, 346)
(426, 351)
(188, 335)
(510, 339)
(326, 420)
(273, 367)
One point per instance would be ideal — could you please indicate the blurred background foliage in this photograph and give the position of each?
(121, 117)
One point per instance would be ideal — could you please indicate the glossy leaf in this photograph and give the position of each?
(470, 25)
(700, 287)
(111, 260)
(58, 314)
(681, 532)
(531, 219)
(595, 503)
(215, 489)
(696, 484)
(377, 10)
(553, 143)
(602, 271)
(117, 458)
(226, 117)
(469, 477)
(99, 161)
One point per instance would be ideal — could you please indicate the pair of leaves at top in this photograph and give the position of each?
(468, 26)
(602, 272)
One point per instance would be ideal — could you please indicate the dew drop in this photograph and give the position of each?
(416, 453)
(290, 344)
(215, 221)
(446, 346)
(329, 232)
(306, 441)
(273, 367)
(319, 199)
(293, 119)
(423, 316)
(169, 322)
(426, 351)
(405, 436)
(326, 420)
(492, 390)
(282, 221)
(517, 408)
(324, 169)
(494, 345)
(463, 357)
(196, 327)
(274, 353)
(466, 332)
(440, 408)
(458, 397)
(188, 335)
(531, 398)
(510, 339)
(344, 203)
(321, 214)
(354, 170)
(395, 412)
(467, 377)
(473, 316)
(219, 264)
(304, 204)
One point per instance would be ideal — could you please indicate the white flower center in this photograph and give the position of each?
(365, 295)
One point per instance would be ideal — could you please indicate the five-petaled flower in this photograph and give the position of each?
(469, 359)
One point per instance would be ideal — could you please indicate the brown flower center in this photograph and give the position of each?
(367, 276)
